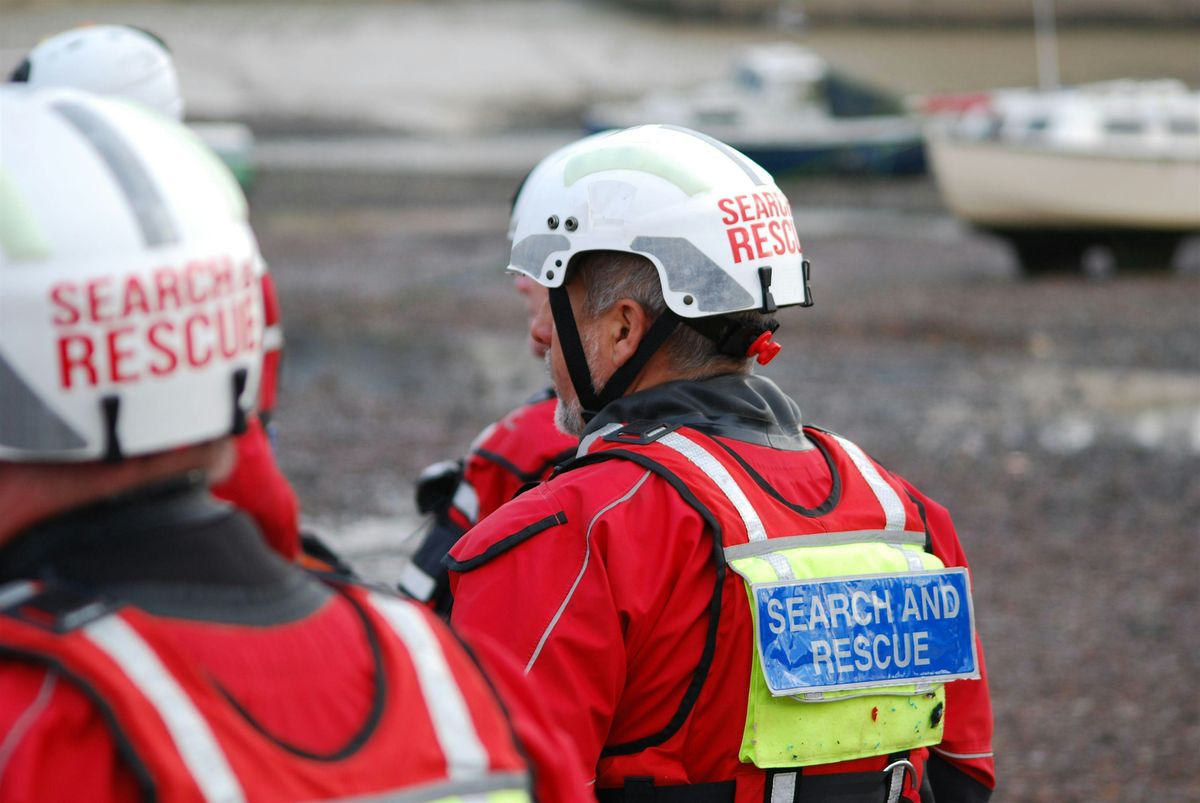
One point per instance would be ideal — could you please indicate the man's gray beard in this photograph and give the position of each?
(568, 415)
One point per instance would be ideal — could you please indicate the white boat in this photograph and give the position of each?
(785, 108)
(1060, 173)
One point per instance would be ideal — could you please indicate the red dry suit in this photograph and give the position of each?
(521, 448)
(256, 484)
(608, 583)
(166, 657)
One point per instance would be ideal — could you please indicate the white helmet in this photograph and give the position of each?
(131, 309)
(707, 217)
(713, 223)
(108, 60)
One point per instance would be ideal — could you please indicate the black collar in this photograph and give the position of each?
(741, 407)
(169, 548)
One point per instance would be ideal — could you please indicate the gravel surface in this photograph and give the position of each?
(1059, 420)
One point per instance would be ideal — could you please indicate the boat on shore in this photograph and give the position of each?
(787, 109)
(1093, 176)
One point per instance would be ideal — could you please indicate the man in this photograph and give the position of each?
(151, 646)
(521, 448)
(127, 62)
(717, 603)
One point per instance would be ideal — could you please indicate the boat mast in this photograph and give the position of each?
(1047, 44)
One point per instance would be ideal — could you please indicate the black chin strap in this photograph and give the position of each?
(592, 401)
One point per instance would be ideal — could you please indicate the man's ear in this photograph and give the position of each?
(626, 323)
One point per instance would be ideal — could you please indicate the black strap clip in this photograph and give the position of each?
(61, 610)
(640, 433)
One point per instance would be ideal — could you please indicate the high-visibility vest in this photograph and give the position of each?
(867, 532)
(441, 735)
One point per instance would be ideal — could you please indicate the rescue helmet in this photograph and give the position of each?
(131, 308)
(714, 224)
(108, 60)
(522, 201)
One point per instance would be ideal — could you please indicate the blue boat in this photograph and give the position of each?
(787, 109)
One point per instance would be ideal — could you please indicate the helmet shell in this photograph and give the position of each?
(706, 216)
(128, 271)
(109, 60)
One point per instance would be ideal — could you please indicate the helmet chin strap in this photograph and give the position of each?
(591, 400)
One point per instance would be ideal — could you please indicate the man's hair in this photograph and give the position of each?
(609, 276)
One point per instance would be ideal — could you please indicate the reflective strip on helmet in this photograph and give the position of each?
(189, 730)
(742, 161)
(465, 754)
(147, 205)
(640, 158)
(728, 485)
(889, 500)
(689, 270)
(530, 254)
(756, 548)
(26, 422)
(21, 237)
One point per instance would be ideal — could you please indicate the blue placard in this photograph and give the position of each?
(854, 632)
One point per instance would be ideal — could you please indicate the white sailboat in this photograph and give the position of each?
(1064, 174)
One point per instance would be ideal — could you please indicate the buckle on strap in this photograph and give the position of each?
(894, 778)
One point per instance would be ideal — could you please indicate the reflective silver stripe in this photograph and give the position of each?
(911, 558)
(779, 565)
(15, 592)
(587, 556)
(889, 500)
(783, 787)
(273, 338)
(472, 789)
(728, 485)
(189, 730)
(466, 499)
(898, 770)
(723, 479)
(12, 740)
(586, 443)
(413, 580)
(756, 548)
(460, 743)
(961, 756)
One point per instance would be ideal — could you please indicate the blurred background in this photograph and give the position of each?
(1051, 399)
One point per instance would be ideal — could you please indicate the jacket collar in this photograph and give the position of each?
(741, 407)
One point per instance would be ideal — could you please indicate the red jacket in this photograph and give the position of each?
(601, 582)
(256, 484)
(521, 448)
(113, 704)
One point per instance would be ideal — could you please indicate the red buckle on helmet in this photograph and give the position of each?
(764, 348)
